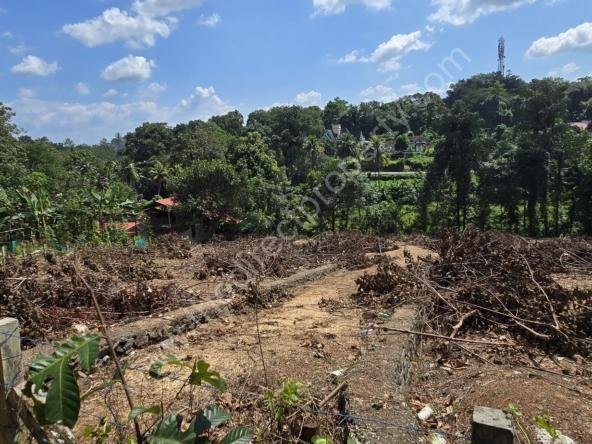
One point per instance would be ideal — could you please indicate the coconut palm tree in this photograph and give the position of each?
(159, 174)
(130, 173)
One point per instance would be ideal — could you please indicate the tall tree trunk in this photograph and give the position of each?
(558, 191)
(531, 211)
(545, 205)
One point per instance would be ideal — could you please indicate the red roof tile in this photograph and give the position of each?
(128, 226)
(167, 202)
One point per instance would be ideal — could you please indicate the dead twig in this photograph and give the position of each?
(139, 435)
(447, 338)
(539, 286)
(460, 323)
(333, 394)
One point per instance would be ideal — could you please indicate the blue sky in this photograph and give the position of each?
(86, 69)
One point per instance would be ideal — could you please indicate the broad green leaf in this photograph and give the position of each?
(44, 365)
(320, 440)
(168, 431)
(137, 411)
(240, 435)
(156, 368)
(63, 397)
(210, 418)
(201, 374)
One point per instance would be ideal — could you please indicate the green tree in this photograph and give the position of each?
(457, 156)
(232, 123)
(159, 174)
(198, 140)
(211, 192)
(402, 143)
(149, 140)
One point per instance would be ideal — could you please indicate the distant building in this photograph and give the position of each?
(335, 132)
(584, 125)
(419, 143)
(162, 216)
(132, 227)
(336, 129)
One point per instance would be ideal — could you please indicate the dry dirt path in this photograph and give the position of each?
(306, 338)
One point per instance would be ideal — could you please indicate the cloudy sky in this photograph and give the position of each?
(86, 69)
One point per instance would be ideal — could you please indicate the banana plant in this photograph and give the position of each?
(38, 210)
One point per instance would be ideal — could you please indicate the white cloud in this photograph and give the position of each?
(462, 12)
(82, 89)
(35, 66)
(161, 8)
(385, 93)
(414, 88)
(113, 25)
(565, 71)
(204, 99)
(130, 68)
(18, 49)
(389, 54)
(355, 56)
(311, 98)
(380, 93)
(152, 90)
(139, 28)
(7, 34)
(209, 20)
(89, 122)
(110, 93)
(26, 93)
(330, 7)
(577, 38)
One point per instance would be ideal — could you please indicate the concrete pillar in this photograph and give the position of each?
(491, 426)
(10, 374)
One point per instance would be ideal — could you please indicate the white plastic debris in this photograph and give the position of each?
(370, 328)
(543, 437)
(80, 329)
(338, 373)
(425, 413)
(437, 439)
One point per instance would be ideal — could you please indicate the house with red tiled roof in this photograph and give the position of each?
(584, 125)
(162, 215)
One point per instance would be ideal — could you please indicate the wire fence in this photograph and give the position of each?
(375, 423)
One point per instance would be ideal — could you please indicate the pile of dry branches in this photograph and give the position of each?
(47, 297)
(280, 257)
(488, 282)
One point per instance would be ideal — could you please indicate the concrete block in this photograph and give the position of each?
(491, 426)
(10, 374)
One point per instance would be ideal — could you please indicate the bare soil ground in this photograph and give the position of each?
(454, 385)
(531, 299)
(306, 339)
(511, 318)
(45, 293)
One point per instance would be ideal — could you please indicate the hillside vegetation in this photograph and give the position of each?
(502, 155)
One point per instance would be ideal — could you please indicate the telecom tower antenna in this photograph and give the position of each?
(501, 56)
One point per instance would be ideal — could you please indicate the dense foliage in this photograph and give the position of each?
(502, 153)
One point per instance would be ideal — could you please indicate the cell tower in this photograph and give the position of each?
(501, 56)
